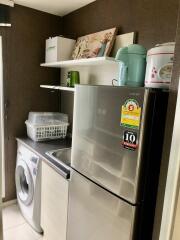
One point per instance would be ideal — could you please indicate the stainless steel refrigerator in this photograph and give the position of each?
(116, 153)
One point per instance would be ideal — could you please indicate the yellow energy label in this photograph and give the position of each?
(131, 114)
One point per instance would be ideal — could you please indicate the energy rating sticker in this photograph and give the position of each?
(130, 140)
(131, 114)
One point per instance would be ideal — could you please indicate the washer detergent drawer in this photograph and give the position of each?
(96, 214)
(28, 155)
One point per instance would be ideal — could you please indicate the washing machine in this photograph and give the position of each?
(28, 185)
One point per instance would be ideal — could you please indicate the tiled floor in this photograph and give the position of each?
(15, 226)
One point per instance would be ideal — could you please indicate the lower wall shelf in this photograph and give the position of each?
(62, 88)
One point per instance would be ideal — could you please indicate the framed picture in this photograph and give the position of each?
(95, 45)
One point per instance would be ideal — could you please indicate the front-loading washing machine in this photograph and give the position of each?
(28, 185)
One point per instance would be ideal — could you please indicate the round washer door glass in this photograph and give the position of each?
(24, 183)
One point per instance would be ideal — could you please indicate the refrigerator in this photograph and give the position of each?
(116, 157)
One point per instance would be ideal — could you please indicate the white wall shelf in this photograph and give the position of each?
(81, 62)
(58, 88)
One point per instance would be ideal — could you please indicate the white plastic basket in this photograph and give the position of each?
(45, 132)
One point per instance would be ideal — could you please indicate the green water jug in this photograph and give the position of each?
(132, 65)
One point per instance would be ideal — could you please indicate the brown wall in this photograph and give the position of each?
(23, 51)
(155, 20)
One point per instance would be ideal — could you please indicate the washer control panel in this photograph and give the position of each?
(34, 159)
(34, 164)
(30, 158)
(34, 171)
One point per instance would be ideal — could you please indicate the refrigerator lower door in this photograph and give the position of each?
(96, 214)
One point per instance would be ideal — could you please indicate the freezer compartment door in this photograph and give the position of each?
(97, 147)
(96, 214)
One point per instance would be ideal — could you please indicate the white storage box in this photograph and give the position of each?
(43, 126)
(59, 49)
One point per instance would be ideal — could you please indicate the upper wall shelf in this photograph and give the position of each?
(81, 62)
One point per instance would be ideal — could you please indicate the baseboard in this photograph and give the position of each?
(9, 203)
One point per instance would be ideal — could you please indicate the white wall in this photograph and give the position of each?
(100, 75)
(2, 122)
(173, 184)
(1, 136)
(176, 231)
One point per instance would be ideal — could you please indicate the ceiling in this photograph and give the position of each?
(56, 7)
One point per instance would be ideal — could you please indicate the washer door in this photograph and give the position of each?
(24, 183)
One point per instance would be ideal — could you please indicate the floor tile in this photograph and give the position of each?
(22, 232)
(15, 226)
(12, 217)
